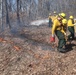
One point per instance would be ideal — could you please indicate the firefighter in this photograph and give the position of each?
(64, 23)
(54, 16)
(71, 28)
(64, 30)
(50, 20)
(60, 33)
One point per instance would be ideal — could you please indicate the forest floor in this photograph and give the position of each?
(30, 52)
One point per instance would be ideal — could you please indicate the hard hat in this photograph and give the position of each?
(71, 17)
(64, 21)
(63, 15)
(49, 13)
(54, 12)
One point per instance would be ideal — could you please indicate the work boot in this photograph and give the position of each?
(62, 50)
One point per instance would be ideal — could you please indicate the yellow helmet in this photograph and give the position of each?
(54, 12)
(64, 21)
(71, 17)
(63, 15)
(49, 13)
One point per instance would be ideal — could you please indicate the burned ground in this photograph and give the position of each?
(29, 52)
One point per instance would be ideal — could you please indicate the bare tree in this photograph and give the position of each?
(7, 14)
(24, 11)
(18, 7)
(1, 10)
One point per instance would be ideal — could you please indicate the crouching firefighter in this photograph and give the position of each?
(58, 30)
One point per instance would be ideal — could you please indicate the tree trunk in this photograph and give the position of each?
(18, 16)
(10, 5)
(7, 14)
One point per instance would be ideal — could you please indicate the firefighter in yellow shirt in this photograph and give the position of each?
(71, 28)
(60, 33)
(54, 16)
(50, 20)
(64, 28)
(64, 22)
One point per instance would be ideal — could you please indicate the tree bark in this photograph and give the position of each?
(18, 16)
(7, 14)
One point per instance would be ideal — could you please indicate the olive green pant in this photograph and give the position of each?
(50, 23)
(61, 37)
(71, 30)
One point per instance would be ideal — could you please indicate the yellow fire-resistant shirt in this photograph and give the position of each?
(57, 26)
(53, 18)
(65, 25)
(70, 23)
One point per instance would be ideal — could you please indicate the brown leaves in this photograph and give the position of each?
(1, 39)
(17, 48)
(11, 42)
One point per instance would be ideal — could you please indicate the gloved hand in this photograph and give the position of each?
(75, 24)
(65, 34)
(52, 38)
(53, 35)
(66, 38)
